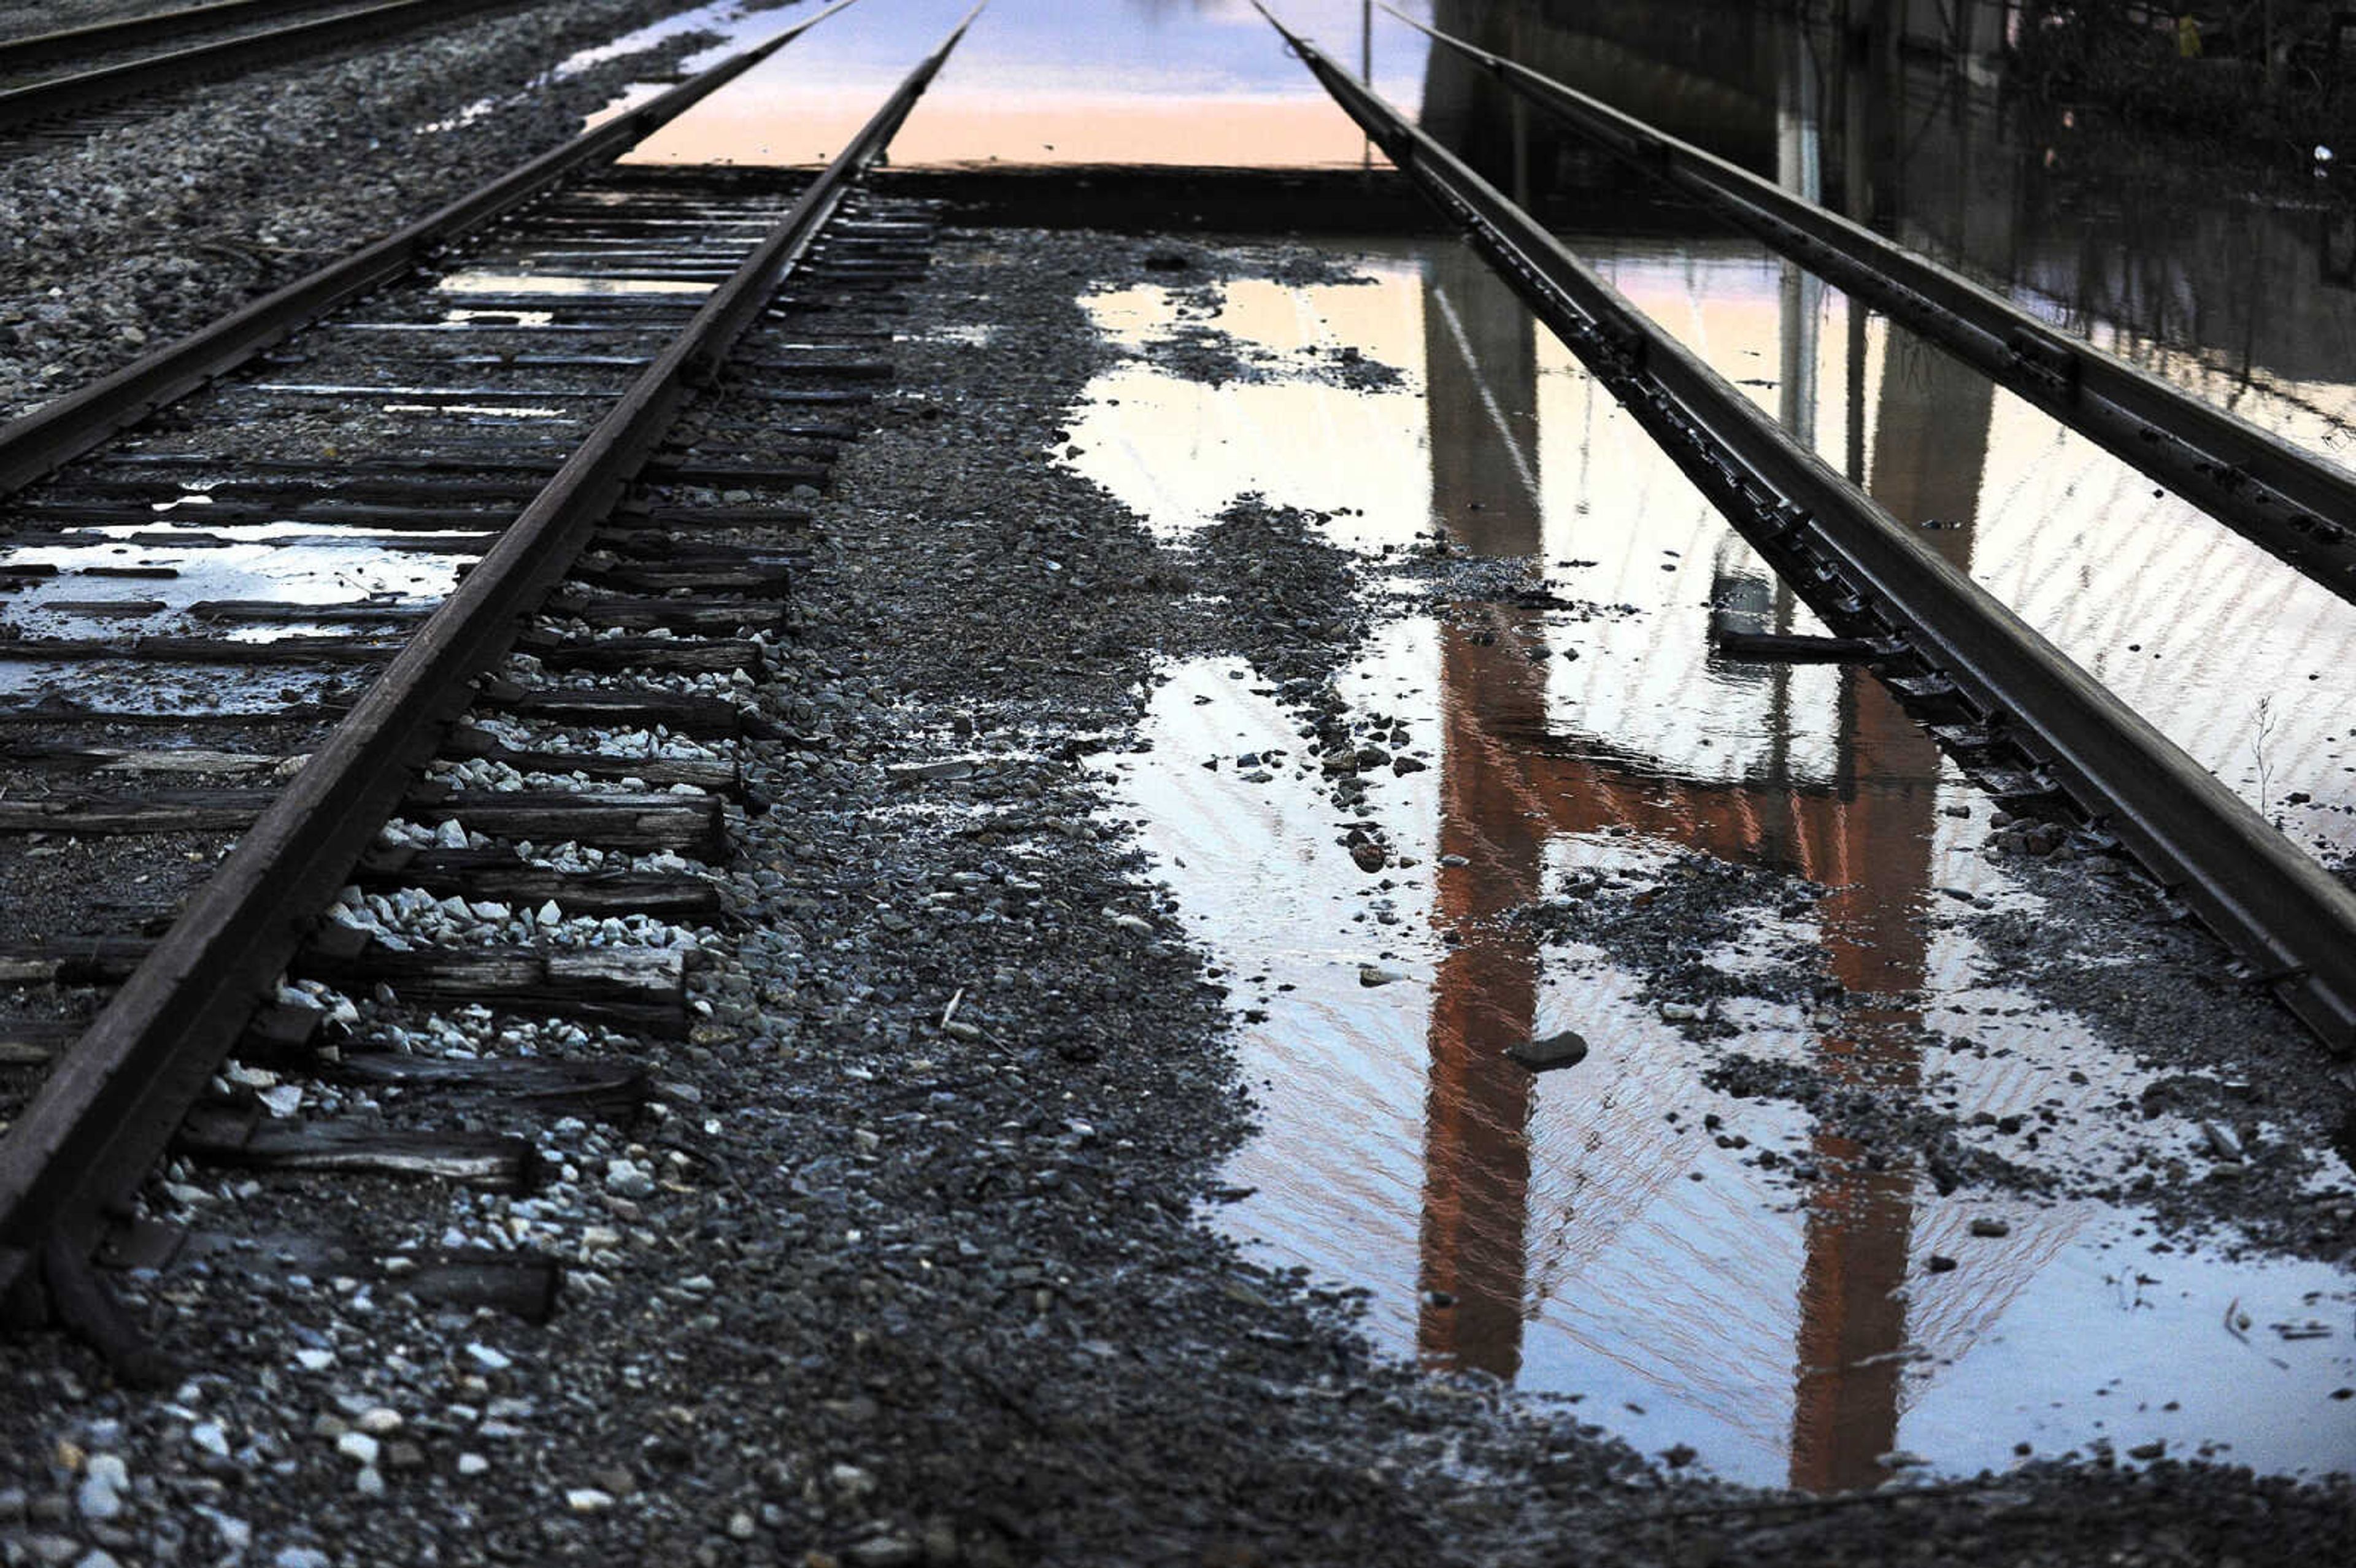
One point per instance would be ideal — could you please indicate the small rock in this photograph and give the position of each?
(2223, 1142)
(588, 1500)
(472, 1464)
(1564, 1050)
(1369, 854)
(923, 773)
(208, 1436)
(97, 1501)
(628, 1178)
(1371, 975)
(1991, 1228)
(489, 1360)
(358, 1446)
(236, 1534)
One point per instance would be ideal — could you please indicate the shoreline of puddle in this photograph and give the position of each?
(1708, 1272)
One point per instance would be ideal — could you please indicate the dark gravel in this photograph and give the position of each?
(123, 241)
(911, 1266)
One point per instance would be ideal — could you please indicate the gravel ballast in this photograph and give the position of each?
(119, 242)
(912, 1263)
(917, 1257)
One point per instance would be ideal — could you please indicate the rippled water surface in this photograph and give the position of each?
(1620, 1233)
(1695, 1267)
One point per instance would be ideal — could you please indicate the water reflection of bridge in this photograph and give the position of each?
(1954, 167)
(1512, 778)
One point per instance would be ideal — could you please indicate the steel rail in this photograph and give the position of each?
(105, 1115)
(129, 32)
(111, 84)
(1869, 574)
(2296, 506)
(60, 430)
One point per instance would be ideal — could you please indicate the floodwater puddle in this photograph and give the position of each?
(1758, 894)
(559, 283)
(1168, 440)
(1699, 1268)
(132, 582)
(1038, 82)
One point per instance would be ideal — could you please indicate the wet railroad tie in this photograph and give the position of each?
(491, 556)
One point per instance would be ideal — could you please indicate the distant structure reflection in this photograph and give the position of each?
(1512, 779)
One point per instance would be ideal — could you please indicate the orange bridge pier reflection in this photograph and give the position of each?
(1514, 777)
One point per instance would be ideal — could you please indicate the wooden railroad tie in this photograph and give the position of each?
(642, 823)
(639, 989)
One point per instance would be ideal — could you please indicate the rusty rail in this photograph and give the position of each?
(113, 84)
(57, 433)
(78, 1154)
(1869, 575)
(129, 32)
(2296, 506)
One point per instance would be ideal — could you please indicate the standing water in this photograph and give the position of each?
(1757, 893)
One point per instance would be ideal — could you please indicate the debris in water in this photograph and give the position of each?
(1564, 1050)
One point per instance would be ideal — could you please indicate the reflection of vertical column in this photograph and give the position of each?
(1464, 108)
(1481, 368)
(1799, 168)
(1480, 357)
(1860, 1220)
(1931, 442)
(1485, 999)
(1868, 72)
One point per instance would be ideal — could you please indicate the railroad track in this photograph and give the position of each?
(2018, 717)
(27, 52)
(528, 524)
(2298, 507)
(57, 87)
